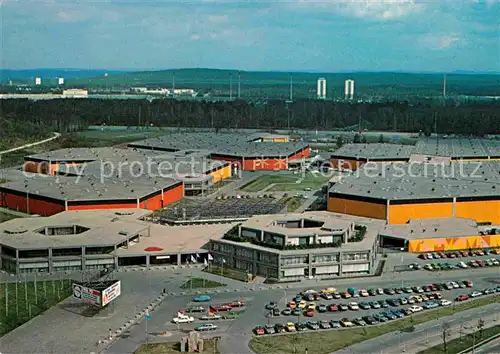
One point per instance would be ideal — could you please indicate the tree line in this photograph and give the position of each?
(68, 115)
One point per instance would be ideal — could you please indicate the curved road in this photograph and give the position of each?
(491, 347)
(55, 136)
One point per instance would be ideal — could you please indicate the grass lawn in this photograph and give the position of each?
(228, 273)
(264, 181)
(170, 348)
(6, 216)
(309, 180)
(293, 203)
(201, 283)
(460, 344)
(47, 294)
(330, 341)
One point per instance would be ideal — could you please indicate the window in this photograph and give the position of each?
(326, 258)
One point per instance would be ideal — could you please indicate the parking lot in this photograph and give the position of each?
(314, 309)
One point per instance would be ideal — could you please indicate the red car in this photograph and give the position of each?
(333, 308)
(462, 297)
(464, 253)
(259, 331)
(468, 283)
(432, 287)
(221, 308)
(309, 313)
(441, 254)
(422, 256)
(236, 304)
(480, 263)
(452, 255)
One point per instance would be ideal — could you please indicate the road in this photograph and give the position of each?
(426, 335)
(491, 347)
(78, 334)
(236, 333)
(25, 146)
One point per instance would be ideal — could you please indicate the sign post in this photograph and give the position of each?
(147, 317)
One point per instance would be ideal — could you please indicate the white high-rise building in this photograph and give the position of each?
(349, 89)
(38, 81)
(60, 81)
(321, 89)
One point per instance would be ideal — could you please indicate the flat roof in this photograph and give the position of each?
(372, 228)
(432, 228)
(422, 181)
(109, 228)
(105, 228)
(453, 147)
(374, 151)
(220, 144)
(88, 188)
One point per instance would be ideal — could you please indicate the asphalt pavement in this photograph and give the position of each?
(491, 347)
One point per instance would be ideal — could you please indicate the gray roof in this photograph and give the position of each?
(224, 144)
(374, 151)
(453, 147)
(432, 228)
(109, 228)
(88, 187)
(422, 181)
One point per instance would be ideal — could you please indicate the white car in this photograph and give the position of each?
(463, 265)
(183, 319)
(380, 291)
(444, 302)
(415, 308)
(428, 267)
(310, 291)
(353, 306)
(455, 285)
(476, 294)
(363, 293)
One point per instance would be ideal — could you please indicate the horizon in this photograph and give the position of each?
(410, 36)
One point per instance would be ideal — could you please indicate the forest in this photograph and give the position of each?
(24, 117)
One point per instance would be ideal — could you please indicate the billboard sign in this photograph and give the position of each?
(86, 294)
(111, 293)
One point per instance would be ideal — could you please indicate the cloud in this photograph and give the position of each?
(381, 10)
(69, 16)
(441, 41)
(217, 18)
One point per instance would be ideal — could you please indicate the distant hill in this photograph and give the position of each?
(274, 84)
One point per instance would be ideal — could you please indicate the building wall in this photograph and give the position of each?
(303, 153)
(132, 204)
(481, 211)
(169, 197)
(30, 204)
(454, 243)
(221, 173)
(265, 164)
(402, 213)
(355, 207)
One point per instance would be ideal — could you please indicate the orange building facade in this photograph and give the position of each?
(454, 243)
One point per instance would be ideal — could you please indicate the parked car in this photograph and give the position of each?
(379, 318)
(363, 293)
(343, 307)
(415, 308)
(202, 298)
(430, 305)
(195, 309)
(324, 324)
(181, 318)
(322, 308)
(309, 313)
(269, 329)
(476, 294)
(210, 317)
(375, 304)
(205, 327)
(383, 303)
(286, 312)
(364, 305)
(372, 292)
(313, 325)
(369, 320)
(393, 302)
(290, 327)
(444, 302)
(398, 313)
(353, 306)
(462, 297)
(468, 283)
(334, 324)
(389, 315)
(276, 312)
(333, 308)
(345, 322)
(327, 296)
(231, 316)
(279, 328)
(271, 305)
(296, 312)
(359, 321)
(301, 327)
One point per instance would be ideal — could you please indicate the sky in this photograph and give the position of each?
(301, 35)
